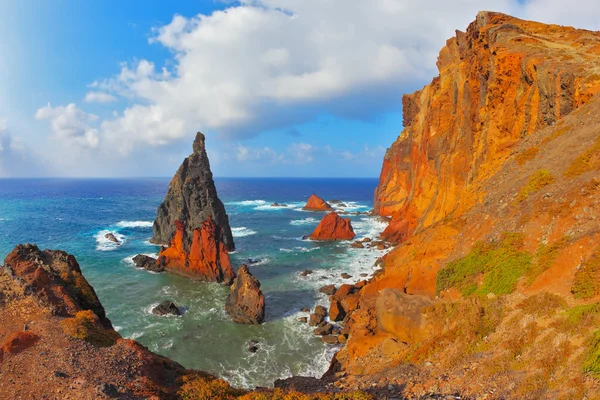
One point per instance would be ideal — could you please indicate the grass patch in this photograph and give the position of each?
(587, 279)
(86, 326)
(203, 386)
(591, 362)
(537, 181)
(588, 161)
(527, 155)
(500, 265)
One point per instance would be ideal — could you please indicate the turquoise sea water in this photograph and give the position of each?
(74, 215)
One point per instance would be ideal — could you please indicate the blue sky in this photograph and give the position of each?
(280, 87)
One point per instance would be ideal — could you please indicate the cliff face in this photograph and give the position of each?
(500, 81)
(205, 259)
(494, 193)
(191, 199)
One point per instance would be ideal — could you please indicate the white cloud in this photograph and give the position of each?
(70, 124)
(267, 64)
(302, 153)
(16, 160)
(99, 97)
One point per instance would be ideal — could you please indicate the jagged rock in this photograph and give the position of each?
(148, 263)
(315, 203)
(329, 339)
(191, 204)
(245, 302)
(205, 259)
(110, 236)
(323, 330)
(55, 278)
(306, 272)
(166, 307)
(333, 227)
(328, 290)
(336, 311)
(318, 316)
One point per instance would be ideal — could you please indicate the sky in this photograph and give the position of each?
(282, 88)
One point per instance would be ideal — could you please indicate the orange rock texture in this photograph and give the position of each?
(516, 101)
(333, 227)
(315, 203)
(500, 81)
(205, 258)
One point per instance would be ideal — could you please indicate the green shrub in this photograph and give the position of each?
(537, 181)
(500, 264)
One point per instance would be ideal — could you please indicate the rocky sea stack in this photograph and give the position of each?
(193, 223)
(315, 203)
(246, 302)
(333, 227)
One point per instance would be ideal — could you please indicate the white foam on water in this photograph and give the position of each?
(247, 203)
(135, 224)
(242, 232)
(299, 249)
(103, 244)
(305, 221)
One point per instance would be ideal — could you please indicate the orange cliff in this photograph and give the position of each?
(499, 82)
(498, 161)
(333, 227)
(204, 258)
(315, 203)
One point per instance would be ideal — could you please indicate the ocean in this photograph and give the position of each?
(75, 214)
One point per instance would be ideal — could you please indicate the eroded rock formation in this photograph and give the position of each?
(192, 199)
(245, 303)
(204, 256)
(333, 227)
(315, 203)
(193, 223)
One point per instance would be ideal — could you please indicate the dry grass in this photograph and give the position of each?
(527, 155)
(86, 326)
(561, 130)
(537, 181)
(587, 279)
(588, 161)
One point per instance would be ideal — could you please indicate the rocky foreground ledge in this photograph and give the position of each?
(56, 342)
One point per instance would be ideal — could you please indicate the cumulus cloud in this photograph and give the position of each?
(70, 124)
(99, 97)
(260, 65)
(263, 154)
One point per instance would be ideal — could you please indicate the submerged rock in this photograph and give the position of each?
(278, 205)
(333, 227)
(315, 203)
(166, 307)
(111, 237)
(245, 303)
(148, 263)
(253, 345)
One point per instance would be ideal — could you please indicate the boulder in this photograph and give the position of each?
(323, 330)
(333, 227)
(328, 290)
(318, 316)
(357, 245)
(278, 205)
(315, 203)
(165, 308)
(148, 263)
(336, 311)
(346, 276)
(253, 345)
(306, 272)
(19, 341)
(110, 236)
(192, 199)
(329, 339)
(400, 315)
(245, 303)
